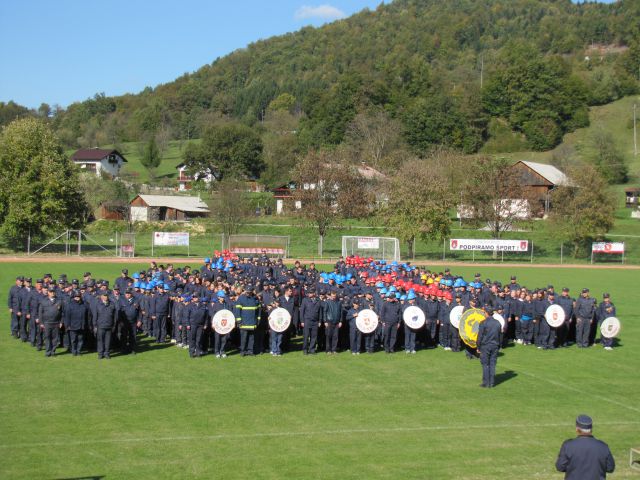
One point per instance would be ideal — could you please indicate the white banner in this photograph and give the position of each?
(489, 244)
(369, 242)
(170, 239)
(607, 247)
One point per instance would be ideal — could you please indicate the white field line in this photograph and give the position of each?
(310, 433)
(578, 390)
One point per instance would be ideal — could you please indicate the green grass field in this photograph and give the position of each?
(161, 414)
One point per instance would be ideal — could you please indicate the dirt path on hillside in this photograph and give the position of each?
(194, 260)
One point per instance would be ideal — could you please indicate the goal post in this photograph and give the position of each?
(379, 248)
(269, 245)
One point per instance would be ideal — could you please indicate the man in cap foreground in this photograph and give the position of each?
(488, 344)
(585, 457)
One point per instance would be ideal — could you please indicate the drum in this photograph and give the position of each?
(367, 321)
(554, 315)
(455, 314)
(413, 317)
(469, 325)
(279, 320)
(610, 327)
(223, 322)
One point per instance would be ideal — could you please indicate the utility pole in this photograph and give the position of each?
(635, 132)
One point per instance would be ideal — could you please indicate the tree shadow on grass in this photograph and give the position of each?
(504, 377)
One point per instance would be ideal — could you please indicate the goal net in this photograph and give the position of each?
(380, 248)
(269, 245)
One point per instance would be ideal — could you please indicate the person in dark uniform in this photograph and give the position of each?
(14, 306)
(332, 317)
(105, 316)
(196, 324)
(390, 316)
(247, 316)
(50, 316)
(585, 457)
(75, 322)
(585, 309)
(310, 317)
(605, 310)
(129, 315)
(488, 344)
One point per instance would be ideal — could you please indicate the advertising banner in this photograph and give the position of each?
(607, 247)
(171, 239)
(460, 244)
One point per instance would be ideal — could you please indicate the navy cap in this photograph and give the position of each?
(584, 422)
(565, 289)
(606, 295)
(585, 290)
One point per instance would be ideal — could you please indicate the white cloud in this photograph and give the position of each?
(324, 12)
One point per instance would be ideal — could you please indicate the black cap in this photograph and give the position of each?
(125, 271)
(21, 278)
(513, 277)
(52, 288)
(585, 290)
(116, 288)
(27, 279)
(40, 280)
(584, 422)
(75, 281)
(104, 293)
(87, 274)
(565, 289)
(478, 275)
(549, 287)
(76, 293)
(48, 275)
(606, 295)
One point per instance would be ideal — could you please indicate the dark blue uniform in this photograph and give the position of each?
(585, 458)
(488, 344)
(75, 322)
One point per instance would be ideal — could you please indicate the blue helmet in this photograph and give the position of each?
(136, 284)
(411, 295)
(383, 291)
(136, 275)
(379, 285)
(221, 294)
(403, 297)
(207, 260)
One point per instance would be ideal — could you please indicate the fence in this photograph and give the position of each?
(303, 244)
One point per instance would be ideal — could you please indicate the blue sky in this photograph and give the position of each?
(61, 51)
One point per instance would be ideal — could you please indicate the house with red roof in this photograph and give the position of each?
(99, 161)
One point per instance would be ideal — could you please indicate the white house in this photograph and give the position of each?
(184, 180)
(98, 160)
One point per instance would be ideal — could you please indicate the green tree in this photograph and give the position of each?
(230, 150)
(410, 216)
(608, 159)
(39, 189)
(583, 211)
(231, 206)
(151, 157)
(492, 194)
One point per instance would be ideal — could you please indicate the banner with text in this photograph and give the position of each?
(369, 242)
(171, 239)
(488, 245)
(607, 247)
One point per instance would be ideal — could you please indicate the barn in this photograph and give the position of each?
(161, 208)
(540, 179)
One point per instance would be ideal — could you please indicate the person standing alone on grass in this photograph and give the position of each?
(585, 457)
(488, 344)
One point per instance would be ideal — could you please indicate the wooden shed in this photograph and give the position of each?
(154, 208)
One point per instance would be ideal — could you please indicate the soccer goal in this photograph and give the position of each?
(269, 245)
(379, 248)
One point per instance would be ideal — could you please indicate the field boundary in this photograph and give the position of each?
(309, 433)
(317, 261)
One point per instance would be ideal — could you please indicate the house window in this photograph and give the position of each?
(89, 167)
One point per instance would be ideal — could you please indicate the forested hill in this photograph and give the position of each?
(423, 62)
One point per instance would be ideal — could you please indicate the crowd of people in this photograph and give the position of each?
(176, 305)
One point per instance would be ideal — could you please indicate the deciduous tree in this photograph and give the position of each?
(39, 187)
